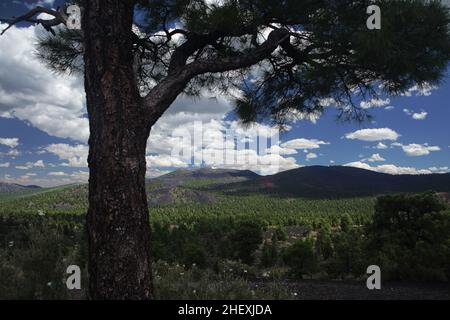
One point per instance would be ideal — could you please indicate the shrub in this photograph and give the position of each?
(280, 234)
(194, 254)
(410, 237)
(348, 258)
(245, 240)
(269, 254)
(300, 258)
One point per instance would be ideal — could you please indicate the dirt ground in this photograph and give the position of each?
(354, 290)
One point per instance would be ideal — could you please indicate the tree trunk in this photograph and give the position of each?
(118, 217)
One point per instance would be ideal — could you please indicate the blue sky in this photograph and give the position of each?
(44, 130)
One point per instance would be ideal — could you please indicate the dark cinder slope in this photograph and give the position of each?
(208, 173)
(181, 176)
(331, 182)
(186, 186)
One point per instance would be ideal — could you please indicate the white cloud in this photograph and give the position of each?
(154, 173)
(9, 142)
(416, 115)
(5, 165)
(417, 150)
(373, 135)
(39, 164)
(23, 167)
(264, 165)
(217, 151)
(30, 165)
(217, 144)
(376, 158)
(420, 116)
(381, 146)
(165, 161)
(32, 93)
(281, 150)
(13, 153)
(424, 90)
(439, 169)
(311, 156)
(303, 144)
(388, 168)
(57, 174)
(33, 4)
(374, 103)
(76, 156)
(79, 176)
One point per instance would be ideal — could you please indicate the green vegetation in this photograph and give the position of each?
(410, 237)
(239, 247)
(301, 258)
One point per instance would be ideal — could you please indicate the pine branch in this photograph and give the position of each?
(59, 18)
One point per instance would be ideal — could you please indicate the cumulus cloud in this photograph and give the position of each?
(9, 142)
(32, 93)
(33, 4)
(416, 115)
(388, 168)
(13, 153)
(30, 165)
(439, 169)
(5, 165)
(281, 150)
(311, 156)
(420, 116)
(79, 176)
(373, 135)
(374, 103)
(195, 132)
(76, 156)
(381, 146)
(424, 90)
(183, 139)
(304, 144)
(417, 150)
(376, 158)
(51, 179)
(39, 164)
(165, 161)
(57, 174)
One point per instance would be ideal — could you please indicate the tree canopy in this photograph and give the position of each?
(279, 59)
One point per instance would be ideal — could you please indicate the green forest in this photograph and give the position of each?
(237, 247)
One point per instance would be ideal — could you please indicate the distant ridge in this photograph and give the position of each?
(13, 188)
(339, 181)
(212, 173)
(226, 175)
(308, 182)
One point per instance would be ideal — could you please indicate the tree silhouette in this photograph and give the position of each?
(282, 57)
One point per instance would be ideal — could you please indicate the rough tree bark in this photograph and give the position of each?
(118, 217)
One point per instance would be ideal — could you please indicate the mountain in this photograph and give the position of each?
(209, 173)
(332, 182)
(186, 186)
(184, 176)
(7, 189)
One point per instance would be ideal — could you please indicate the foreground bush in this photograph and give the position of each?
(301, 258)
(410, 237)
